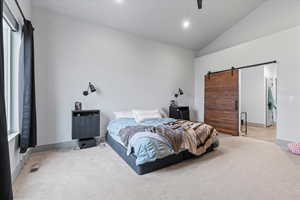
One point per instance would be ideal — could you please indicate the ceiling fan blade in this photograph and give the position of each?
(199, 4)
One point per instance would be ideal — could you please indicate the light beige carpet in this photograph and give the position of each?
(241, 169)
(262, 133)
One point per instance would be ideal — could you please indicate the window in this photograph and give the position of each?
(11, 45)
(7, 32)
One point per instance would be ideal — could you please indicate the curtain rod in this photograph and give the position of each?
(244, 67)
(20, 9)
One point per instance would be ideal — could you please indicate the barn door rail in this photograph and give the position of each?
(243, 67)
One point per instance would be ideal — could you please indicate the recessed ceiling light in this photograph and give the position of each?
(186, 24)
(119, 1)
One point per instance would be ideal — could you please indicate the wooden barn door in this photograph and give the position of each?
(221, 105)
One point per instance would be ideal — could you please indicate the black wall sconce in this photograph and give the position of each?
(178, 93)
(91, 89)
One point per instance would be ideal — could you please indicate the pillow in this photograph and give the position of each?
(127, 114)
(163, 113)
(143, 115)
(294, 148)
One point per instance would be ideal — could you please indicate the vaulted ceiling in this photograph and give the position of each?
(159, 20)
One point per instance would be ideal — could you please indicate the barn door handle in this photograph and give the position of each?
(236, 105)
(232, 70)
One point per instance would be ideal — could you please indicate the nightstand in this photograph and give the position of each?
(85, 127)
(179, 112)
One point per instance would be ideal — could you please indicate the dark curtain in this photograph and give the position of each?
(28, 135)
(5, 176)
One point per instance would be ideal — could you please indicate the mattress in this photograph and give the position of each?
(155, 165)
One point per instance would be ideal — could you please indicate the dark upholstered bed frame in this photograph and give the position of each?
(152, 166)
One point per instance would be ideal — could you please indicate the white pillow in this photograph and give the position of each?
(163, 113)
(143, 115)
(127, 114)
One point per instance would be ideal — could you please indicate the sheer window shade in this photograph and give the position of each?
(10, 18)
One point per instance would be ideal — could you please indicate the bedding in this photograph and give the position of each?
(116, 125)
(146, 149)
(155, 139)
(196, 137)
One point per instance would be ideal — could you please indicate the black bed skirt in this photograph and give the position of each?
(155, 165)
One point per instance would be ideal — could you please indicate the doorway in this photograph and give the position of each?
(258, 102)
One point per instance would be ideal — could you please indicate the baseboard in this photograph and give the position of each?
(256, 124)
(62, 145)
(283, 143)
(17, 171)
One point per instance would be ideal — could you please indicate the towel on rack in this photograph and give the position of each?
(271, 101)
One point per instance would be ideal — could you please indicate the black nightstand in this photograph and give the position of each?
(85, 127)
(179, 112)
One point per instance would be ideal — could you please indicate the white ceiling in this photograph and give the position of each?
(160, 19)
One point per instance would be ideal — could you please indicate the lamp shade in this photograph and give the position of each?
(180, 91)
(92, 87)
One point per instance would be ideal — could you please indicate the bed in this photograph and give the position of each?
(147, 153)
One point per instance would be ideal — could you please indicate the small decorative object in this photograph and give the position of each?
(78, 106)
(91, 89)
(173, 103)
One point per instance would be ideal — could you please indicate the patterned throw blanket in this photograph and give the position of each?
(196, 137)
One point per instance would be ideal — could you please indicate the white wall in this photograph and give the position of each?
(253, 94)
(271, 17)
(271, 71)
(129, 72)
(15, 157)
(283, 47)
